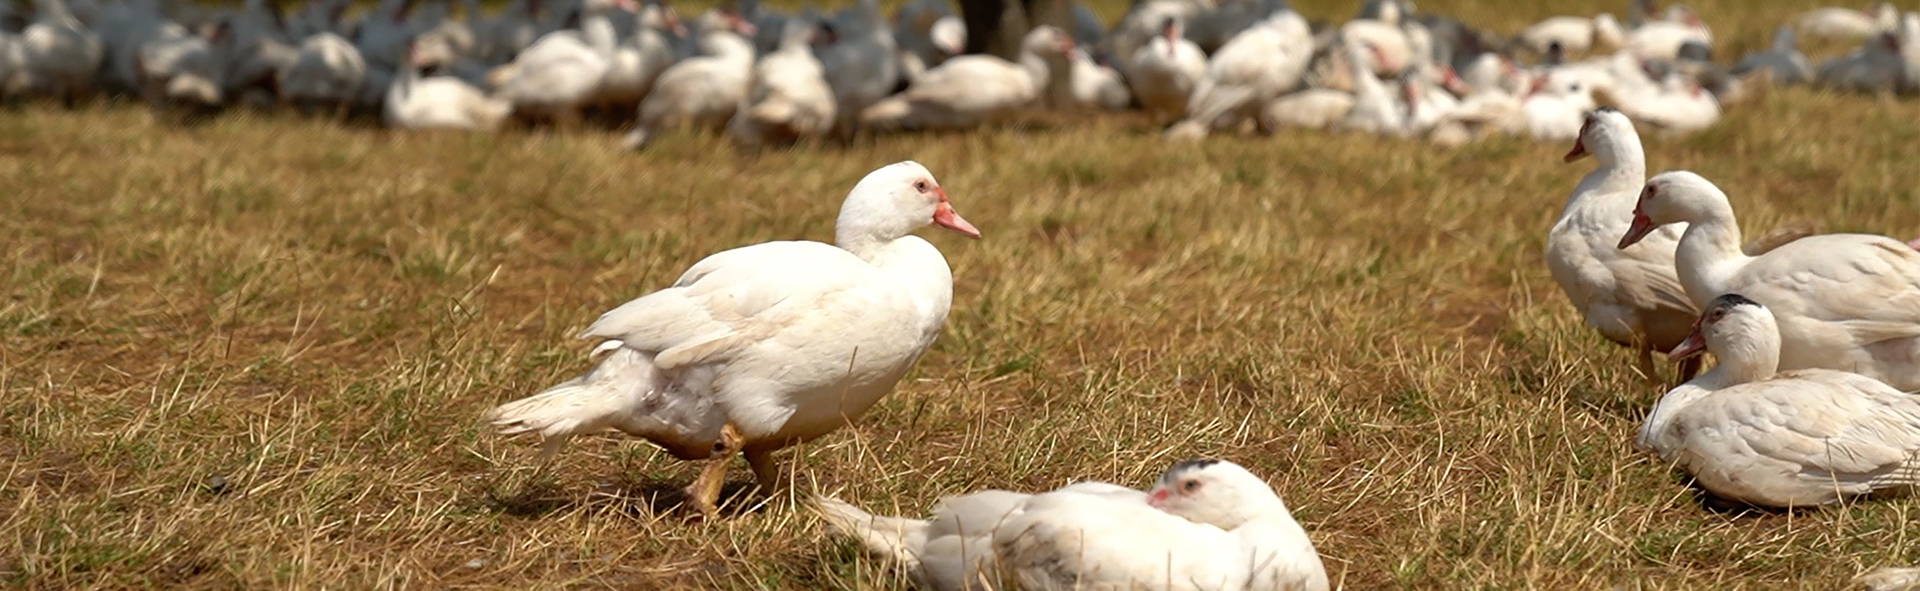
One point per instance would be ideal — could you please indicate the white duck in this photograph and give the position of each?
(639, 61)
(788, 98)
(1393, 52)
(970, 90)
(1206, 524)
(1677, 105)
(1783, 61)
(180, 67)
(1147, 20)
(1749, 433)
(1573, 34)
(1309, 108)
(415, 101)
(328, 72)
(1096, 86)
(1662, 39)
(703, 91)
(557, 76)
(1556, 107)
(1847, 302)
(762, 347)
(1375, 108)
(1874, 66)
(1256, 66)
(1848, 23)
(1428, 101)
(1165, 72)
(1632, 296)
(61, 54)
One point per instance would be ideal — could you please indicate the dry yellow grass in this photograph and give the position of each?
(253, 352)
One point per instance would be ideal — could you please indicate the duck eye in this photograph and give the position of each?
(920, 185)
(1190, 486)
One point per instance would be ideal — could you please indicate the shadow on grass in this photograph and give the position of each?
(1728, 507)
(542, 496)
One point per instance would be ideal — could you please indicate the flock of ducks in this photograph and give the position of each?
(1817, 336)
(763, 347)
(766, 77)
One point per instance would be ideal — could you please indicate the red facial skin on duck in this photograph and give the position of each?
(1642, 225)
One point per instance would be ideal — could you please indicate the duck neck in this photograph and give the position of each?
(1709, 253)
(409, 75)
(863, 242)
(1037, 69)
(729, 46)
(599, 32)
(794, 39)
(1622, 168)
(1783, 40)
(1364, 83)
(1745, 362)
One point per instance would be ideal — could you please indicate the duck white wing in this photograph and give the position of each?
(737, 298)
(954, 550)
(1870, 283)
(558, 67)
(1092, 541)
(958, 552)
(1804, 438)
(973, 83)
(961, 92)
(1620, 291)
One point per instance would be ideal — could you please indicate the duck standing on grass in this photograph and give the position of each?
(1630, 295)
(766, 346)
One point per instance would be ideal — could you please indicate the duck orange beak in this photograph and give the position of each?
(1579, 151)
(944, 216)
(1642, 226)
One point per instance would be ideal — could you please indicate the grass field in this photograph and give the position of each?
(253, 352)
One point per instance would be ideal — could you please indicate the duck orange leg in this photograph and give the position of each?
(704, 494)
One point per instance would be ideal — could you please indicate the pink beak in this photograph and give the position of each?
(945, 217)
(1157, 499)
(1696, 343)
